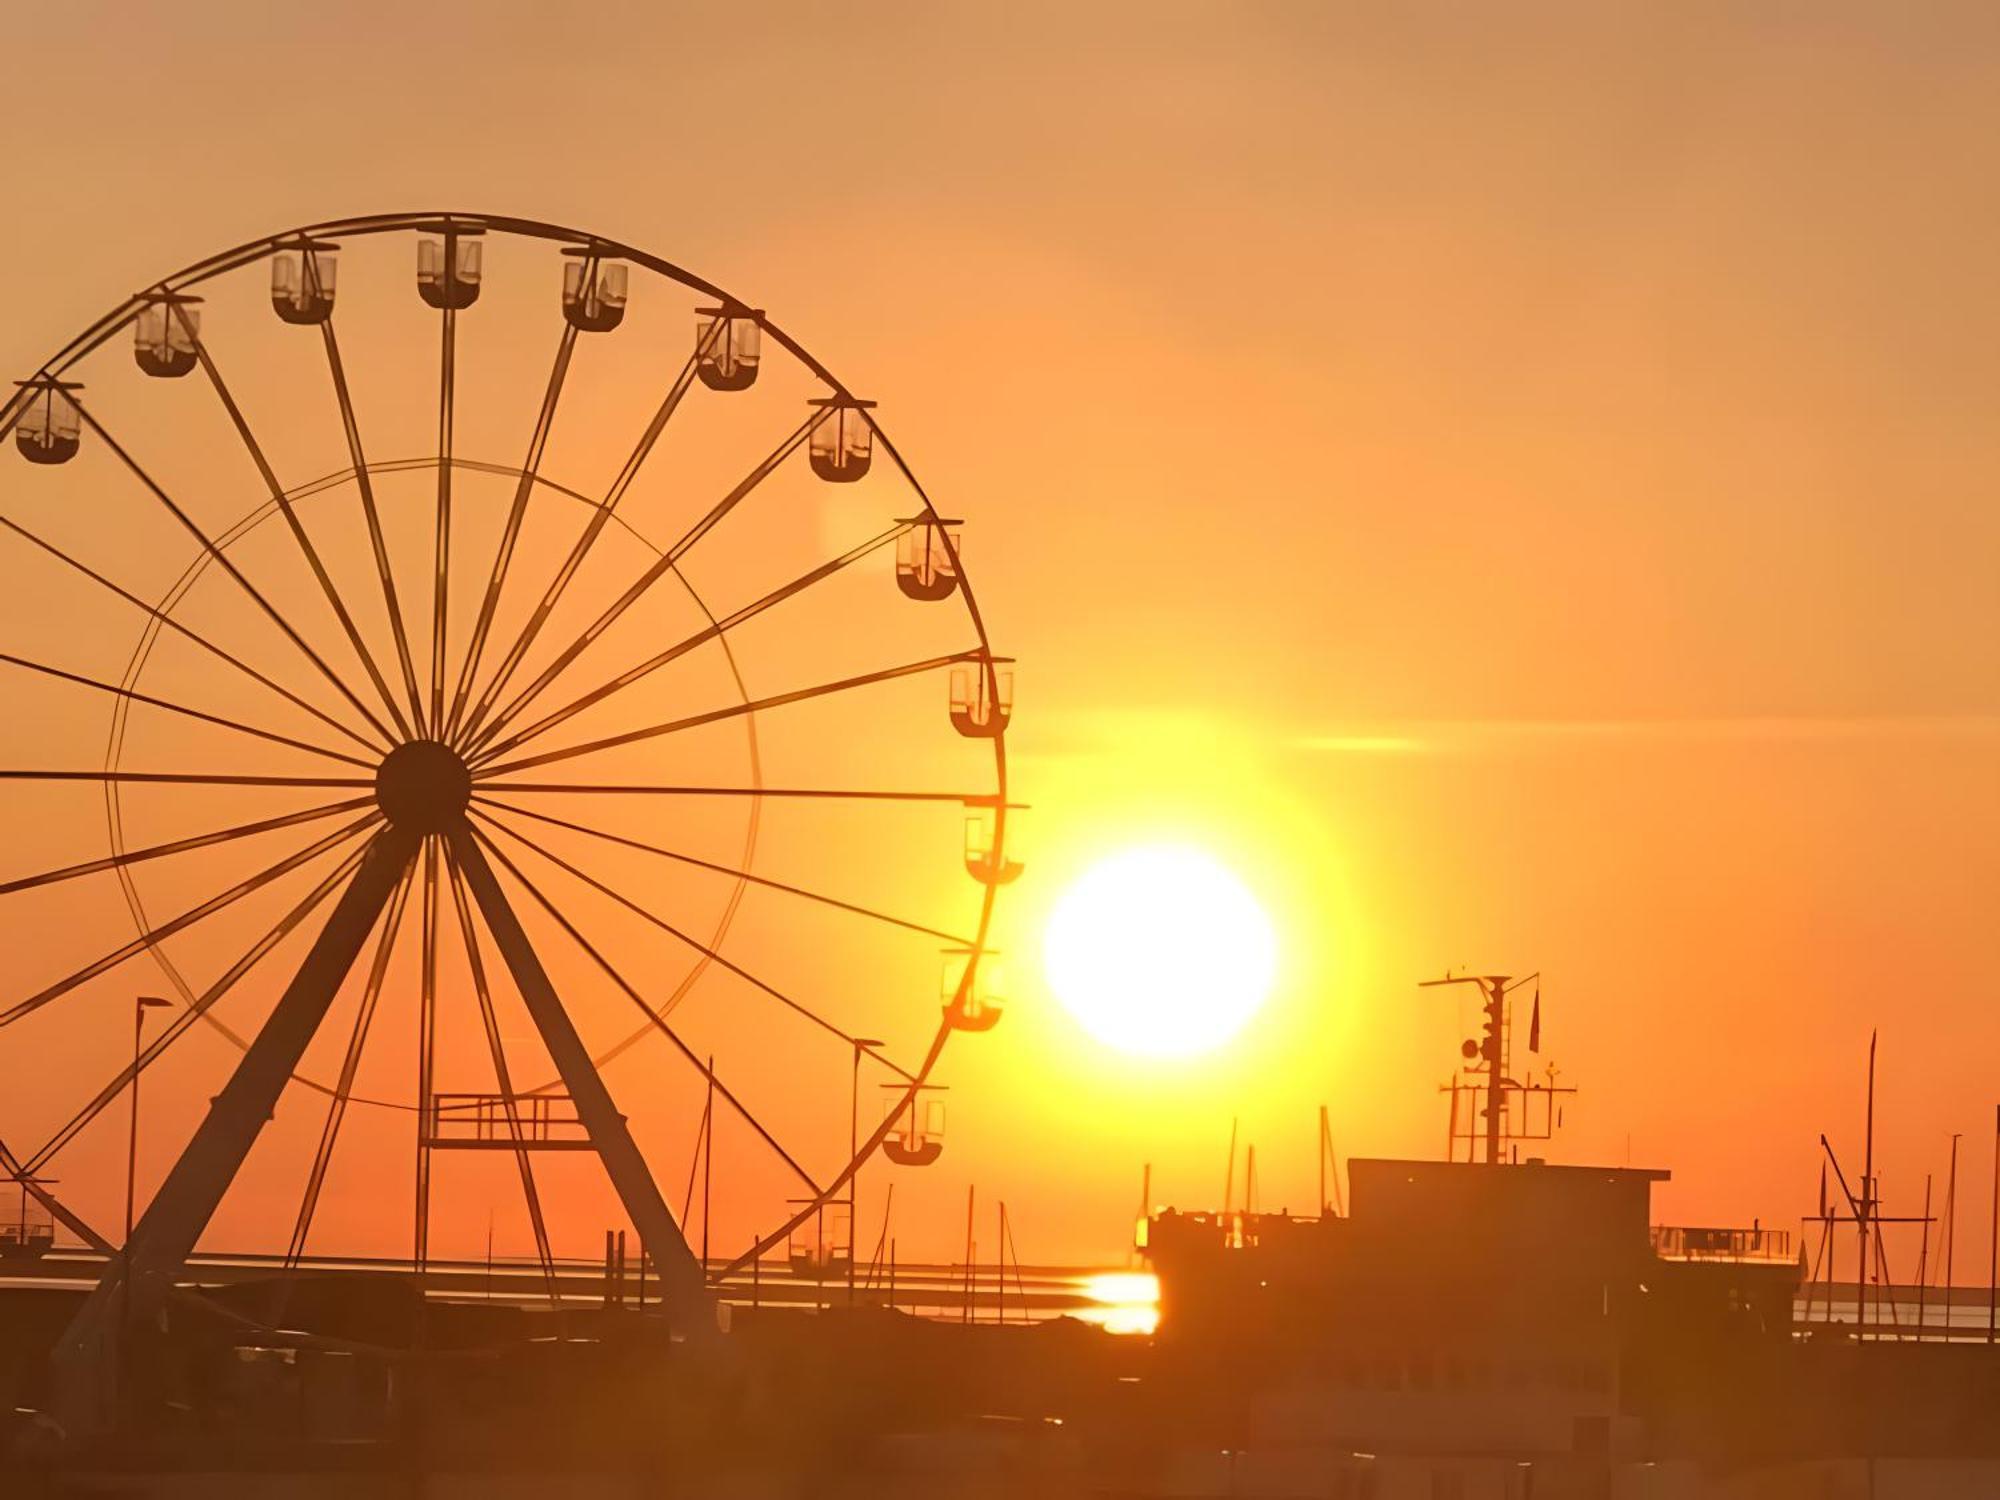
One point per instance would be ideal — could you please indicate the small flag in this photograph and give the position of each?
(1535, 1023)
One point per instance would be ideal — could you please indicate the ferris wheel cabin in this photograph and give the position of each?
(164, 335)
(918, 1137)
(50, 426)
(842, 441)
(448, 268)
(593, 296)
(982, 701)
(302, 282)
(727, 345)
(927, 559)
(984, 861)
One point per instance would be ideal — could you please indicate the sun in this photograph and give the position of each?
(1160, 950)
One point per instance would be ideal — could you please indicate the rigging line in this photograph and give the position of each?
(503, 555)
(649, 789)
(511, 662)
(163, 618)
(694, 1159)
(188, 1017)
(292, 522)
(181, 846)
(447, 408)
(186, 919)
(222, 559)
(337, 1101)
(733, 711)
(193, 713)
(731, 871)
(364, 482)
(658, 1023)
(700, 947)
(503, 1078)
(185, 778)
(657, 570)
(714, 631)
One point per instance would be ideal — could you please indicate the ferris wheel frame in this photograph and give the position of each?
(424, 800)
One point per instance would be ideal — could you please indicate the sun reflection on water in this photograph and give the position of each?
(1122, 1301)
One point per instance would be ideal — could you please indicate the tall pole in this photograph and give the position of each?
(1923, 1260)
(1229, 1176)
(1993, 1261)
(1950, 1229)
(707, 1162)
(1495, 1050)
(1000, 1262)
(139, 1035)
(853, 1150)
(969, 1251)
(861, 1044)
(1142, 1227)
(1322, 1161)
(1868, 1193)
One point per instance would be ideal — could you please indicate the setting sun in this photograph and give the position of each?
(1160, 950)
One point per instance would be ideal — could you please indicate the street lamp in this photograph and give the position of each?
(139, 1009)
(861, 1044)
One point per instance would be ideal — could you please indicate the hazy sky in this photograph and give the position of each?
(1516, 480)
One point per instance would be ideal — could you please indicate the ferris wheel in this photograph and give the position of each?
(509, 698)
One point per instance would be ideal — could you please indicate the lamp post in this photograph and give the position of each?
(861, 1044)
(143, 1004)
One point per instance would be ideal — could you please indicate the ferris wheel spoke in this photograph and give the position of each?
(691, 941)
(600, 517)
(134, 696)
(343, 1091)
(297, 528)
(194, 1012)
(652, 789)
(221, 559)
(162, 618)
(183, 778)
(510, 535)
(364, 482)
(733, 711)
(664, 564)
(701, 637)
(441, 579)
(731, 871)
(654, 1019)
(503, 1078)
(182, 846)
(145, 940)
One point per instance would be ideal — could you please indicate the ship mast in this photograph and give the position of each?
(1489, 1058)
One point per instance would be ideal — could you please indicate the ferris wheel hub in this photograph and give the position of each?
(423, 786)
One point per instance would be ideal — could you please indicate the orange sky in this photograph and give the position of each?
(1516, 485)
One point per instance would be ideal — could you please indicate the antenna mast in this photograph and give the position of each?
(1489, 1059)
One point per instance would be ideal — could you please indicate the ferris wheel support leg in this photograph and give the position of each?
(89, 1359)
(682, 1278)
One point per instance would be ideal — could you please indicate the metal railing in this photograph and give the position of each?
(1683, 1242)
(502, 1122)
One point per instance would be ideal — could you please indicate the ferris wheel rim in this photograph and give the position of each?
(98, 333)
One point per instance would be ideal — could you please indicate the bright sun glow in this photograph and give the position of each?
(1160, 950)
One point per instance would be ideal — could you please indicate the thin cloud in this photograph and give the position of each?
(1444, 735)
